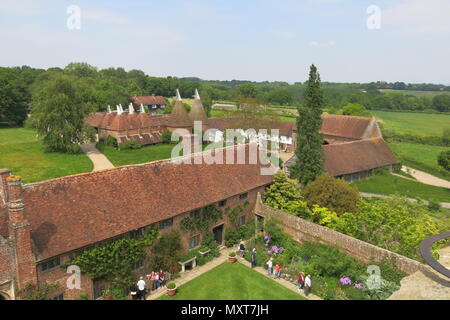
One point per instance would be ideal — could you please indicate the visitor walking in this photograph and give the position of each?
(141, 288)
(242, 248)
(308, 284)
(254, 257)
(269, 267)
(134, 292)
(277, 271)
(301, 281)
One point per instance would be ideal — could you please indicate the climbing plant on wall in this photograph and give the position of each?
(114, 259)
(206, 218)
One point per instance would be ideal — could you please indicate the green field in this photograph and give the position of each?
(24, 155)
(417, 93)
(421, 124)
(420, 157)
(390, 185)
(215, 113)
(233, 281)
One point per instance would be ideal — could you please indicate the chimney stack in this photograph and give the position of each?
(4, 173)
(20, 234)
(15, 199)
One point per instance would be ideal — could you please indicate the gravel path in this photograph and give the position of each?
(427, 178)
(99, 160)
(426, 285)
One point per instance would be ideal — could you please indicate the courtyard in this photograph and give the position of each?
(233, 281)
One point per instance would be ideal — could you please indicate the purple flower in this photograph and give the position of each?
(358, 286)
(269, 251)
(345, 281)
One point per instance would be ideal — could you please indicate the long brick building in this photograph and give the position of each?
(42, 224)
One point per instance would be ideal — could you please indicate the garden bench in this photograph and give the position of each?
(183, 264)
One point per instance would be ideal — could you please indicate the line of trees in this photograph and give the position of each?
(112, 85)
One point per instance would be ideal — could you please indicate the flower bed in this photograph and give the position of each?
(334, 274)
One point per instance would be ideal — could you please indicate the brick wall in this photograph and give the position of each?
(7, 272)
(302, 230)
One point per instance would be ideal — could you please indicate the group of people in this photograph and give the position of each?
(155, 281)
(304, 283)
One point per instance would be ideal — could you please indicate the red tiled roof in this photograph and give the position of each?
(76, 211)
(148, 100)
(357, 156)
(349, 126)
(125, 121)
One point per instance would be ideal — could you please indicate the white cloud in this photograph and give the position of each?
(284, 34)
(418, 16)
(328, 44)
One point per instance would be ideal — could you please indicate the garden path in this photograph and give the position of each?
(199, 270)
(427, 178)
(99, 160)
(426, 285)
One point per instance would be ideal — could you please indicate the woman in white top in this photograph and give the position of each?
(308, 284)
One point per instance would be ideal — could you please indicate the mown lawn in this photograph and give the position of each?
(421, 124)
(421, 157)
(143, 155)
(390, 185)
(24, 155)
(233, 281)
(135, 156)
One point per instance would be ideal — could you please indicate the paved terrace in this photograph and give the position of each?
(199, 270)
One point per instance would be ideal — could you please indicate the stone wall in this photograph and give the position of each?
(303, 230)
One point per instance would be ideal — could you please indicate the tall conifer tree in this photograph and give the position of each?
(309, 150)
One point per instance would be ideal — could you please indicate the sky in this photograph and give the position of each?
(258, 40)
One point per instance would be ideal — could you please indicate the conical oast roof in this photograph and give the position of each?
(179, 118)
(197, 112)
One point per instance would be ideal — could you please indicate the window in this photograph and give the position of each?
(194, 241)
(243, 196)
(58, 297)
(139, 233)
(241, 220)
(222, 203)
(50, 264)
(138, 264)
(194, 214)
(166, 224)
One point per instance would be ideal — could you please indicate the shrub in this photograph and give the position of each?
(355, 109)
(434, 206)
(444, 160)
(171, 285)
(231, 237)
(132, 144)
(166, 137)
(334, 194)
(232, 254)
